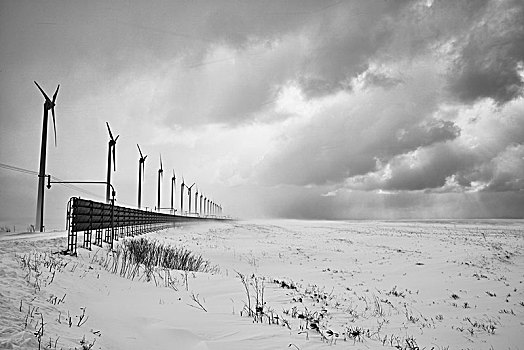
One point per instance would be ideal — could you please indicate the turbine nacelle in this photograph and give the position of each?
(50, 104)
(161, 170)
(112, 144)
(190, 187)
(142, 161)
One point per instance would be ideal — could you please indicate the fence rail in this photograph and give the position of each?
(109, 222)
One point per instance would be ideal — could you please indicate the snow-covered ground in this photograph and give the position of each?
(377, 285)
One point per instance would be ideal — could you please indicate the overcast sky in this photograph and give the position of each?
(302, 109)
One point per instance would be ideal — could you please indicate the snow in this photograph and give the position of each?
(439, 284)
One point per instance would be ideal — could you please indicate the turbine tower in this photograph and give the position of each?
(173, 184)
(201, 196)
(141, 172)
(189, 194)
(182, 196)
(48, 105)
(112, 147)
(160, 177)
(196, 201)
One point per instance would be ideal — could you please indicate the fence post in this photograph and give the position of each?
(88, 232)
(71, 233)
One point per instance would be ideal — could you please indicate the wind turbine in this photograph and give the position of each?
(48, 105)
(189, 193)
(141, 172)
(182, 196)
(112, 147)
(160, 177)
(173, 184)
(196, 201)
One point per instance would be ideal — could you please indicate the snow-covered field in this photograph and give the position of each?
(356, 285)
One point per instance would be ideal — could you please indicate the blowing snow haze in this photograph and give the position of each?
(298, 109)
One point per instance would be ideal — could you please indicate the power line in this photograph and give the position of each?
(32, 172)
(70, 186)
(17, 169)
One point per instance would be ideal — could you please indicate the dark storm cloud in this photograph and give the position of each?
(269, 44)
(425, 168)
(343, 44)
(426, 133)
(347, 138)
(505, 172)
(488, 158)
(490, 56)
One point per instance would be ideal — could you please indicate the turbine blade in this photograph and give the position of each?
(56, 93)
(110, 133)
(145, 158)
(117, 137)
(42, 91)
(139, 150)
(161, 163)
(54, 122)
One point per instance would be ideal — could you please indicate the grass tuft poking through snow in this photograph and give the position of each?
(141, 257)
(152, 253)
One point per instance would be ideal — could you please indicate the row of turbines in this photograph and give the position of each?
(202, 204)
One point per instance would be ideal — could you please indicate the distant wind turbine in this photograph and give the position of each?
(173, 184)
(160, 177)
(141, 172)
(48, 105)
(196, 201)
(189, 194)
(182, 196)
(112, 147)
(201, 196)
